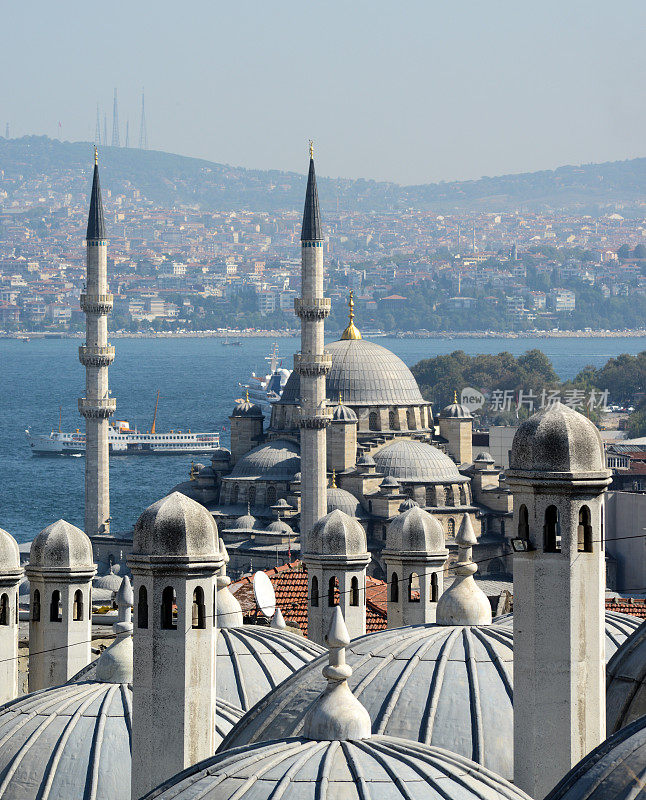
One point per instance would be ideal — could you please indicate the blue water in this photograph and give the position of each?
(198, 380)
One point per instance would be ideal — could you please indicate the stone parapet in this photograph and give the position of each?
(99, 408)
(96, 303)
(317, 421)
(96, 356)
(316, 308)
(319, 364)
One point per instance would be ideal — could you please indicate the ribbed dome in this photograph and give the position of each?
(615, 770)
(456, 411)
(415, 531)
(245, 408)
(344, 501)
(246, 522)
(379, 767)
(110, 582)
(343, 413)
(279, 526)
(337, 534)
(408, 460)
(61, 545)
(363, 374)
(619, 628)
(277, 460)
(626, 682)
(176, 526)
(446, 686)
(253, 660)
(9, 554)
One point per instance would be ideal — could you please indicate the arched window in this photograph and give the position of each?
(584, 530)
(169, 609)
(408, 491)
(373, 421)
(251, 497)
(413, 588)
(448, 496)
(393, 421)
(142, 608)
(394, 588)
(410, 419)
(552, 530)
(77, 606)
(198, 611)
(463, 496)
(332, 590)
(55, 607)
(314, 592)
(354, 591)
(434, 588)
(430, 495)
(234, 494)
(523, 523)
(35, 611)
(4, 609)
(450, 526)
(271, 495)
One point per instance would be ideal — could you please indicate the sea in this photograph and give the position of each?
(198, 380)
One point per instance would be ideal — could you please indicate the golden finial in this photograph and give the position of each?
(96, 157)
(351, 332)
(455, 396)
(333, 484)
(311, 149)
(340, 398)
(246, 398)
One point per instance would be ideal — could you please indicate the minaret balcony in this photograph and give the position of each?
(321, 419)
(316, 308)
(96, 303)
(97, 408)
(312, 364)
(96, 356)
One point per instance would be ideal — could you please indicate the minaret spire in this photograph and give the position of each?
(311, 229)
(95, 220)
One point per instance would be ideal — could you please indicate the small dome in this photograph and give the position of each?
(245, 408)
(456, 411)
(247, 522)
(206, 473)
(344, 501)
(366, 461)
(619, 629)
(415, 531)
(343, 413)
(337, 534)
(446, 686)
(407, 505)
(626, 682)
(176, 526)
(612, 771)
(297, 478)
(277, 460)
(9, 554)
(279, 526)
(409, 460)
(110, 582)
(484, 458)
(253, 660)
(61, 545)
(377, 767)
(389, 483)
(557, 439)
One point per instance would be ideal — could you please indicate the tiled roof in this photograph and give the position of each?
(291, 588)
(627, 605)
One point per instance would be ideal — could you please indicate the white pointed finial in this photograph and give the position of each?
(278, 621)
(114, 665)
(464, 602)
(125, 602)
(337, 715)
(228, 611)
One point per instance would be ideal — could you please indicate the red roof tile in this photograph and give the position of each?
(627, 605)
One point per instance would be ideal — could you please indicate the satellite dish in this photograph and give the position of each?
(264, 593)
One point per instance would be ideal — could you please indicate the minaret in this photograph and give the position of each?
(96, 355)
(10, 575)
(558, 478)
(312, 364)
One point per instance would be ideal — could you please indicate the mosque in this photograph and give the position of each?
(447, 703)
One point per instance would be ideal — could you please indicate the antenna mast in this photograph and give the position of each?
(115, 122)
(97, 132)
(105, 128)
(143, 135)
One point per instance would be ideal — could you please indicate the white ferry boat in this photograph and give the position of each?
(124, 440)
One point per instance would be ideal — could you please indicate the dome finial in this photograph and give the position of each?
(114, 665)
(464, 602)
(227, 608)
(351, 332)
(96, 157)
(246, 396)
(311, 149)
(455, 396)
(333, 483)
(337, 715)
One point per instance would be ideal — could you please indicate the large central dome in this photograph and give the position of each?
(363, 374)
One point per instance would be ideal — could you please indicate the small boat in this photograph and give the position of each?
(234, 343)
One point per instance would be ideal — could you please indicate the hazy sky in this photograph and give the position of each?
(411, 91)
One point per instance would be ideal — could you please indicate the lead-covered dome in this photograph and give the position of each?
(409, 460)
(363, 374)
(303, 769)
(9, 554)
(176, 526)
(626, 682)
(557, 439)
(415, 531)
(276, 460)
(456, 411)
(337, 534)
(441, 685)
(252, 660)
(344, 501)
(245, 408)
(62, 546)
(612, 771)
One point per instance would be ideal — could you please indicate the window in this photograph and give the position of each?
(373, 421)
(332, 592)
(169, 609)
(77, 606)
(463, 496)
(430, 496)
(393, 421)
(450, 525)
(354, 591)
(198, 612)
(4, 609)
(410, 419)
(413, 588)
(448, 496)
(434, 588)
(552, 530)
(234, 494)
(55, 607)
(35, 611)
(271, 495)
(584, 530)
(252, 495)
(142, 608)
(314, 592)
(523, 523)
(394, 588)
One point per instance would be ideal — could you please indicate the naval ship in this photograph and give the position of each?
(268, 389)
(124, 440)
